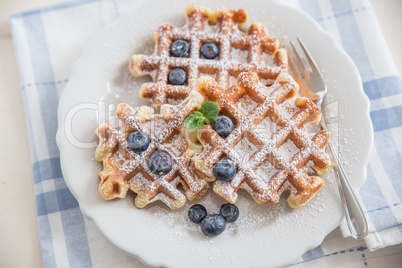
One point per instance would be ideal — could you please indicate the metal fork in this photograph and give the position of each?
(313, 86)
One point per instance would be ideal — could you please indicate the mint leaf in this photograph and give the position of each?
(206, 114)
(198, 114)
(210, 110)
(194, 121)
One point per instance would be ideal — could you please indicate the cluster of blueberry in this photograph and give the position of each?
(160, 162)
(180, 49)
(225, 169)
(213, 224)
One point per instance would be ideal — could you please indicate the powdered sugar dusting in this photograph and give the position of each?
(266, 170)
(274, 144)
(288, 149)
(210, 75)
(114, 152)
(246, 104)
(139, 181)
(238, 52)
(267, 59)
(238, 55)
(156, 126)
(254, 220)
(177, 145)
(266, 128)
(288, 108)
(246, 149)
(232, 81)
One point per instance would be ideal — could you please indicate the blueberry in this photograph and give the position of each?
(224, 170)
(160, 162)
(180, 48)
(210, 50)
(213, 225)
(230, 212)
(223, 126)
(177, 76)
(138, 141)
(197, 213)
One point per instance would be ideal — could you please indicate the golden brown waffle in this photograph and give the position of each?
(283, 153)
(125, 169)
(239, 52)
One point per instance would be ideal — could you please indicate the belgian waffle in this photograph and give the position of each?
(265, 103)
(239, 52)
(125, 169)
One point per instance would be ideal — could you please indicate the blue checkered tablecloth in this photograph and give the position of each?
(49, 40)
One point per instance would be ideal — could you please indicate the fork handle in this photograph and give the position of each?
(355, 217)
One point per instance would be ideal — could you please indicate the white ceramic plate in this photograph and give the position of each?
(264, 235)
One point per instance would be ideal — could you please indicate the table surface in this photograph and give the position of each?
(19, 243)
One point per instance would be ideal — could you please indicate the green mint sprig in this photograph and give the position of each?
(208, 112)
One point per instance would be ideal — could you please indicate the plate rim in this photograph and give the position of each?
(61, 140)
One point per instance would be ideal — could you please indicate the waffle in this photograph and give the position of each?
(239, 52)
(274, 166)
(124, 169)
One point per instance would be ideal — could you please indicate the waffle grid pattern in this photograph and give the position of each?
(124, 169)
(197, 31)
(292, 174)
